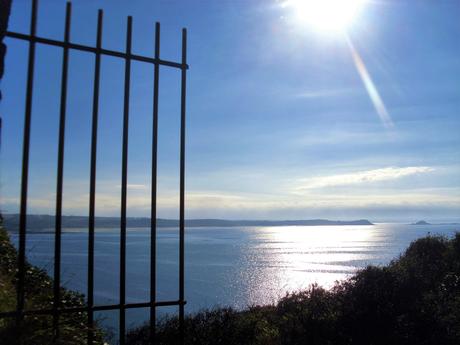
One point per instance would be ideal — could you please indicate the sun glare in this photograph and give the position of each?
(326, 15)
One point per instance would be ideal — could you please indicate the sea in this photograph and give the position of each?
(228, 266)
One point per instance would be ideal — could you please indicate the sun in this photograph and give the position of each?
(326, 15)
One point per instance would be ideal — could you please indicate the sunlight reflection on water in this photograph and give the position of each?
(287, 259)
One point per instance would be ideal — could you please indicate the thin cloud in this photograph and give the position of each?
(132, 186)
(368, 176)
(225, 205)
(325, 93)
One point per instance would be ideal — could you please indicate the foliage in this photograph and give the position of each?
(39, 295)
(413, 300)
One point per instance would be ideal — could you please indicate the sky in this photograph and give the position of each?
(284, 121)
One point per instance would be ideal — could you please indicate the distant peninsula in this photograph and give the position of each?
(46, 222)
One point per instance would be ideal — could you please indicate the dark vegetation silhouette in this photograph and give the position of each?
(413, 300)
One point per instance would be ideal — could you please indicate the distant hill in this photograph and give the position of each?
(46, 222)
(421, 222)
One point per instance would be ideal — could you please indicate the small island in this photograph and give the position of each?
(421, 222)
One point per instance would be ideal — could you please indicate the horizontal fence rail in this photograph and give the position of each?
(102, 51)
(95, 308)
(56, 310)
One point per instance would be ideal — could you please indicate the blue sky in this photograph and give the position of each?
(280, 123)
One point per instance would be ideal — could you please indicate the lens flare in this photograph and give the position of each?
(370, 87)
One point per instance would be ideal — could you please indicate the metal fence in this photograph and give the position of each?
(127, 56)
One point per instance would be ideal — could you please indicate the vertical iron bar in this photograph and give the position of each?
(60, 173)
(124, 182)
(153, 214)
(182, 187)
(92, 188)
(25, 166)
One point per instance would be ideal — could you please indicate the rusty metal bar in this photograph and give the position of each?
(153, 213)
(89, 49)
(56, 310)
(124, 182)
(182, 187)
(94, 308)
(25, 166)
(60, 176)
(92, 184)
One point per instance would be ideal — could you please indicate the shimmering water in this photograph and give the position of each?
(235, 266)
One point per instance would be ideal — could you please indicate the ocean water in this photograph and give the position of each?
(236, 266)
